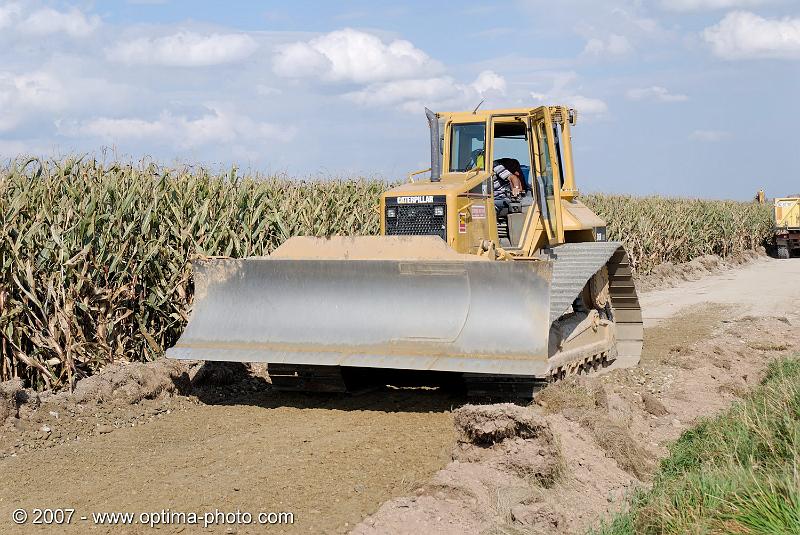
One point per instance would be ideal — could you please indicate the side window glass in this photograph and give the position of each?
(544, 157)
(557, 141)
(546, 188)
(467, 147)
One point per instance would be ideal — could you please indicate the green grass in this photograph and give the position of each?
(736, 473)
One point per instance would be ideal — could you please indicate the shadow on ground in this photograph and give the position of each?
(217, 383)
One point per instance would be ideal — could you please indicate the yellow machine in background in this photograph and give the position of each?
(787, 226)
(501, 294)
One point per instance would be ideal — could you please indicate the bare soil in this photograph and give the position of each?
(330, 460)
(152, 437)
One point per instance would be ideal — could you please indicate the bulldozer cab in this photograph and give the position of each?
(465, 147)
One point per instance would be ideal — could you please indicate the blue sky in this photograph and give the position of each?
(677, 97)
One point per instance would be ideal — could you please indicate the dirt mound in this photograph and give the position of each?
(574, 395)
(667, 274)
(508, 437)
(10, 397)
(486, 425)
(118, 396)
(504, 457)
(585, 401)
(132, 382)
(653, 406)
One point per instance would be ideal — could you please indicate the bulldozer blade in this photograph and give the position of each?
(459, 316)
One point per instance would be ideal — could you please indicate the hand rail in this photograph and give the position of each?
(411, 180)
(475, 170)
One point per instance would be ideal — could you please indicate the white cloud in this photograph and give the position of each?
(47, 21)
(353, 56)
(412, 95)
(407, 92)
(30, 100)
(744, 35)
(394, 74)
(587, 105)
(709, 136)
(614, 45)
(489, 81)
(218, 126)
(562, 92)
(9, 14)
(37, 89)
(657, 93)
(21, 94)
(584, 105)
(184, 49)
(699, 5)
(640, 25)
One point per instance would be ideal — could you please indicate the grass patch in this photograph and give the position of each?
(736, 473)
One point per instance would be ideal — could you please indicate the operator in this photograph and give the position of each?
(508, 179)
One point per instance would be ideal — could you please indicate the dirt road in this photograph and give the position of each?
(330, 461)
(764, 287)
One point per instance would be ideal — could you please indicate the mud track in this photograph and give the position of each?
(332, 461)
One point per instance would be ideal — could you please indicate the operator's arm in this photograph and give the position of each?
(513, 179)
(516, 185)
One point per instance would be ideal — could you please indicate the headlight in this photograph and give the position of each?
(438, 210)
(391, 212)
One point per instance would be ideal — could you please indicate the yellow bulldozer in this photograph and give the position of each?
(496, 283)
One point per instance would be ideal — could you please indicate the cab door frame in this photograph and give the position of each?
(547, 186)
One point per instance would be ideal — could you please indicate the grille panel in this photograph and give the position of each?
(416, 220)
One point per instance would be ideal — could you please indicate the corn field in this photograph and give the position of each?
(94, 258)
(661, 229)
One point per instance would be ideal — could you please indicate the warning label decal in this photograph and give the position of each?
(478, 211)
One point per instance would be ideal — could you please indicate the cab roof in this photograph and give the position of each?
(482, 115)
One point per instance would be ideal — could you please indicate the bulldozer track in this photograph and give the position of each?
(577, 262)
(626, 313)
(574, 265)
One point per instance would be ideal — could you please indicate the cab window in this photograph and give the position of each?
(467, 147)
